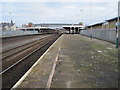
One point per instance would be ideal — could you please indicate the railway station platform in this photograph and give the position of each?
(74, 61)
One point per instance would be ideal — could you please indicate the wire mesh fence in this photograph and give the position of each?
(108, 35)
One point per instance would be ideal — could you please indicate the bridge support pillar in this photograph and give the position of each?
(70, 29)
(74, 30)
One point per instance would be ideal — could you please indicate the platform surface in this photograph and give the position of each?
(81, 63)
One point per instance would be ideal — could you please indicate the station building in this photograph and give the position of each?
(112, 23)
(95, 26)
(108, 24)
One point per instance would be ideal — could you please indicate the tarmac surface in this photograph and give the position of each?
(74, 61)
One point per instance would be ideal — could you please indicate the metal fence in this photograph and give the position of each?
(15, 33)
(108, 35)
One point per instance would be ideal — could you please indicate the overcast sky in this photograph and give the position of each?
(62, 11)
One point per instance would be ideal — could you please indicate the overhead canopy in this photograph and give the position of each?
(74, 26)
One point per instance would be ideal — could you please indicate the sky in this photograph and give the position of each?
(54, 11)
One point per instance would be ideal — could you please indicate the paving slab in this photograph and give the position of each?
(81, 63)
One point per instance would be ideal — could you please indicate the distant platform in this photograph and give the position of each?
(12, 33)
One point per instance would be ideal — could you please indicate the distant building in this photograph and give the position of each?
(8, 26)
(25, 25)
(80, 23)
(30, 24)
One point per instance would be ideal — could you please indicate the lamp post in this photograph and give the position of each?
(10, 14)
(10, 17)
(81, 17)
(118, 26)
(91, 22)
(81, 14)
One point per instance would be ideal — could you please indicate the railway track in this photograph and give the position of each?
(12, 51)
(22, 58)
(19, 40)
(17, 54)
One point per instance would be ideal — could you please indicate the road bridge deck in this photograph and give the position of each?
(74, 61)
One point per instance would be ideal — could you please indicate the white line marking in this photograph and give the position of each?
(48, 85)
(52, 71)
